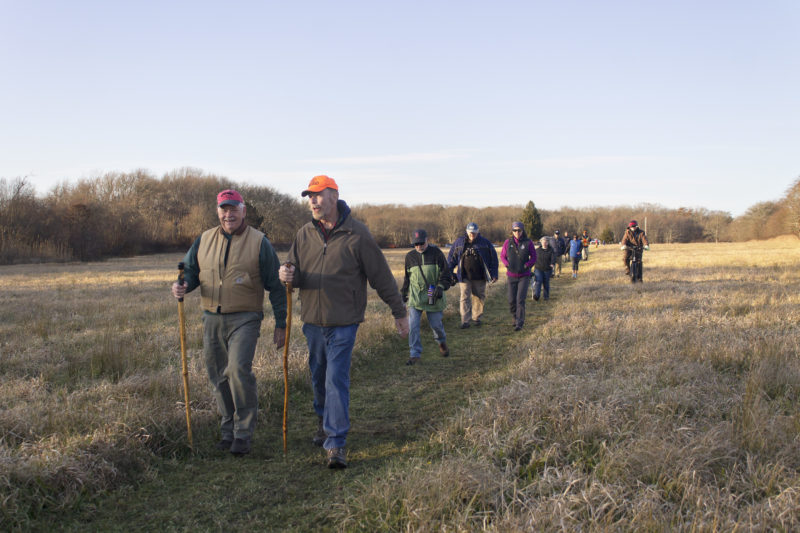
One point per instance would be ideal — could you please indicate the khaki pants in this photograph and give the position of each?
(557, 268)
(473, 294)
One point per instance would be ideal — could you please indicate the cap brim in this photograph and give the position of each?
(228, 202)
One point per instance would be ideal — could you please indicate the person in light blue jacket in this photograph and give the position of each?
(575, 248)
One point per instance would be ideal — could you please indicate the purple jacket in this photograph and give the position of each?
(531, 253)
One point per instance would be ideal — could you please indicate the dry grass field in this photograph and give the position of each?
(671, 404)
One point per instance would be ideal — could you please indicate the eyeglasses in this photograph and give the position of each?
(516, 230)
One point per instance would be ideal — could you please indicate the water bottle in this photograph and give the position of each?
(431, 296)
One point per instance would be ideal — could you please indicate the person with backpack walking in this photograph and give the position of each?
(476, 260)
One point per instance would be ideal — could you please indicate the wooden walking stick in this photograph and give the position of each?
(286, 363)
(184, 365)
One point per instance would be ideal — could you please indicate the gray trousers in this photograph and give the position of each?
(229, 345)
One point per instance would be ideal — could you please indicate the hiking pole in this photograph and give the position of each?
(184, 365)
(286, 362)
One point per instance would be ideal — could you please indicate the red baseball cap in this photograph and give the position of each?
(320, 183)
(229, 197)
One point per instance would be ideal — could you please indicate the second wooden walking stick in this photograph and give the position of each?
(286, 364)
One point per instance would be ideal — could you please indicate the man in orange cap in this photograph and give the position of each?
(331, 260)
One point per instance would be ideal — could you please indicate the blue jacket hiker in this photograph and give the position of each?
(575, 247)
(476, 260)
(427, 276)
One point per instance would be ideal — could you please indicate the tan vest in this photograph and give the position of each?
(236, 287)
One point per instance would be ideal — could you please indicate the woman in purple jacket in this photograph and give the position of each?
(518, 255)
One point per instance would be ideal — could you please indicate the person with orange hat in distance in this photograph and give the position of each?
(233, 264)
(331, 260)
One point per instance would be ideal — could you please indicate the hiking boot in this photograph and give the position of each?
(535, 297)
(320, 436)
(517, 328)
(444, 350)
(412, 361)
(224, 445)
(477, 323)
(465, 325)
(240, 447)
(337, 458)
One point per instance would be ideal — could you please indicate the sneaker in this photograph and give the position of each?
(477, 323)
(444, 350)
(535, 297)
(240, 447)
(320, 436)
(224, 445)
(517, 328)
(465, 325)
(337, 458)
(412, 361)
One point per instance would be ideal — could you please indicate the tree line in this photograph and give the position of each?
(124, 214)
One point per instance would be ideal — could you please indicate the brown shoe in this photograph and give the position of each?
(337, 458)
(444, 350)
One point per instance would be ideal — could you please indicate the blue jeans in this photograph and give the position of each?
(434, 321)
(517, 292)
(542, 279)
(229, 344)
(330, 350)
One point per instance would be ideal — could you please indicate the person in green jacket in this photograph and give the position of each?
(426, 278)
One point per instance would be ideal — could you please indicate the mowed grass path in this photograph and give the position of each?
(394, 409)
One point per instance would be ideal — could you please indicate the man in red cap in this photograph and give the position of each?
(331, 260)
(233, 264)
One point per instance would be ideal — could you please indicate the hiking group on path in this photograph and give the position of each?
(331, 260)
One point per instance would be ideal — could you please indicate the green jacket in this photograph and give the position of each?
(422, 269)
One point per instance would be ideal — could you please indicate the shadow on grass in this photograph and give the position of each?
(394, 409)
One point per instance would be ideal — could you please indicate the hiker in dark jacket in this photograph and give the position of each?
(559, 250)
(518, 255)
(426, 278)
(634, 241)
(476, 259)
(543, 269)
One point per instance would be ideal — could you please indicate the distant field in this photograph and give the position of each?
(667, 405)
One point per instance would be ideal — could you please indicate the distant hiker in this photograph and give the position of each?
(635, 241)
(543, 269)
(233, 264)
(426, 279)
(476, 260)
(558, 251)
(331, 260)
(585, 241)
(518, 255)
(575, 247)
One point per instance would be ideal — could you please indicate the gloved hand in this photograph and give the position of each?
(438, 292)
(647, 247)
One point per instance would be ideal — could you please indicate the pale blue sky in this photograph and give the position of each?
(580, 103)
